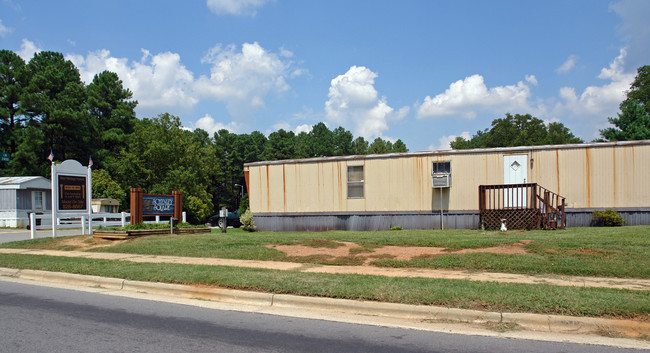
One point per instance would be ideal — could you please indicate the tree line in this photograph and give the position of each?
(45, 107)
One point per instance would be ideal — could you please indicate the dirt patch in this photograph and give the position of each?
(403, 253)
(304, 250)
(82, 243)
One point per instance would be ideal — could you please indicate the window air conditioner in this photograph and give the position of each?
(441, 180)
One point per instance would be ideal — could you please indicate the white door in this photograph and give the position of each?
(515, 171)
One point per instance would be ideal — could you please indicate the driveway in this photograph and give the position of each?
(8, 235)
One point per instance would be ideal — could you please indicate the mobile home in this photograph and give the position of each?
(429, 190)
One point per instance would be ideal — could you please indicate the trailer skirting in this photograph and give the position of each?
(373, 221)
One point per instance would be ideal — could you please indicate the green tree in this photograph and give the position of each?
(112, 115)
(323, 140)
(399, 147)
(640, 88)
(228, 159)
(380, 146)
(280, 145)
(56, 97)
(161, 157)
(304, 146)
(518, 130)
(633, 122)
(343, 142)
(105, 187)
(360, 146)
(13, 79)
(31, 153)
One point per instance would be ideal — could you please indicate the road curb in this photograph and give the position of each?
(536, 322)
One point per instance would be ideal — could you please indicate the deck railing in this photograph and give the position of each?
(520, 206)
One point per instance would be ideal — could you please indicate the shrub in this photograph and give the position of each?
(396, 228)
(247, 221)
(607, 218)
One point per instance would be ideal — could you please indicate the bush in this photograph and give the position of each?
(396, 228)
(607, 218)
(247, 221)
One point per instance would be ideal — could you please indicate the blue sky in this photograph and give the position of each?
(420, 71)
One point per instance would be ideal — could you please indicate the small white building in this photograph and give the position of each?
(20, 196)
(105, 205)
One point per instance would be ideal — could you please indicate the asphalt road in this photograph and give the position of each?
(8, 235)
(45, 319)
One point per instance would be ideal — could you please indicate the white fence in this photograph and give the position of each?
(81, 221)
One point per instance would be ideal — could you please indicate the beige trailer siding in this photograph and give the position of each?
(589, 176)
(596, 177)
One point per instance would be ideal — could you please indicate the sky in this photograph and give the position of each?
(420, 71)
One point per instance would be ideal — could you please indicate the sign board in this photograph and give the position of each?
(71, 187)
(157, 205)
(5, 157)
(72, 193)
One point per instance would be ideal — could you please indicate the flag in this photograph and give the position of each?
(90, 161)
(51, 156)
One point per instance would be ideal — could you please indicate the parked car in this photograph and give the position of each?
(233, 220)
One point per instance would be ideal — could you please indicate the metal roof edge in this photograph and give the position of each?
(451, 152)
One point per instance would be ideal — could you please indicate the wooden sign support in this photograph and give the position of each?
(158, 205)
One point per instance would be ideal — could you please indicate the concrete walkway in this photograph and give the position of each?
(577, 281)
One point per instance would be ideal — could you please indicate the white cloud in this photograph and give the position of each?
(548, 122)
(159, 82)
(208, 124)
(27, 50)
(465, 98)
(303, 128)
(243, 79)
(597, 102)
(531, 79)
(568, 65)
(634, 30)
(235, 7)
(4, 30)
(354, 104)
(444, 142)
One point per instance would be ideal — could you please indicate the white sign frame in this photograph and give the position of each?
(70, 167)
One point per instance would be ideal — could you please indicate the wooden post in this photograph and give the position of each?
(136, 206)
(178, 205)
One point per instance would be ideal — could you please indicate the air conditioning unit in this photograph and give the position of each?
(441, 180)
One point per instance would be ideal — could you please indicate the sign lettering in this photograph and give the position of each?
(157, 205)
(72, 193)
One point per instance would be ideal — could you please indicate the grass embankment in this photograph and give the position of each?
(607, 252)
(543, 299)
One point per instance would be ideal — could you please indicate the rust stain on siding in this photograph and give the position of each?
(284, 187)
(339, 185)
(557, 171)
(420, 183)
(268, 191)
(614, 185)
(588, 175)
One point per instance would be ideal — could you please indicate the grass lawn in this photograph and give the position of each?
(491, 296)
(608, 252)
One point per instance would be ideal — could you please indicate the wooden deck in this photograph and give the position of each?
(521, 206)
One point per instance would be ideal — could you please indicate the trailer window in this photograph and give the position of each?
(355, 182)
